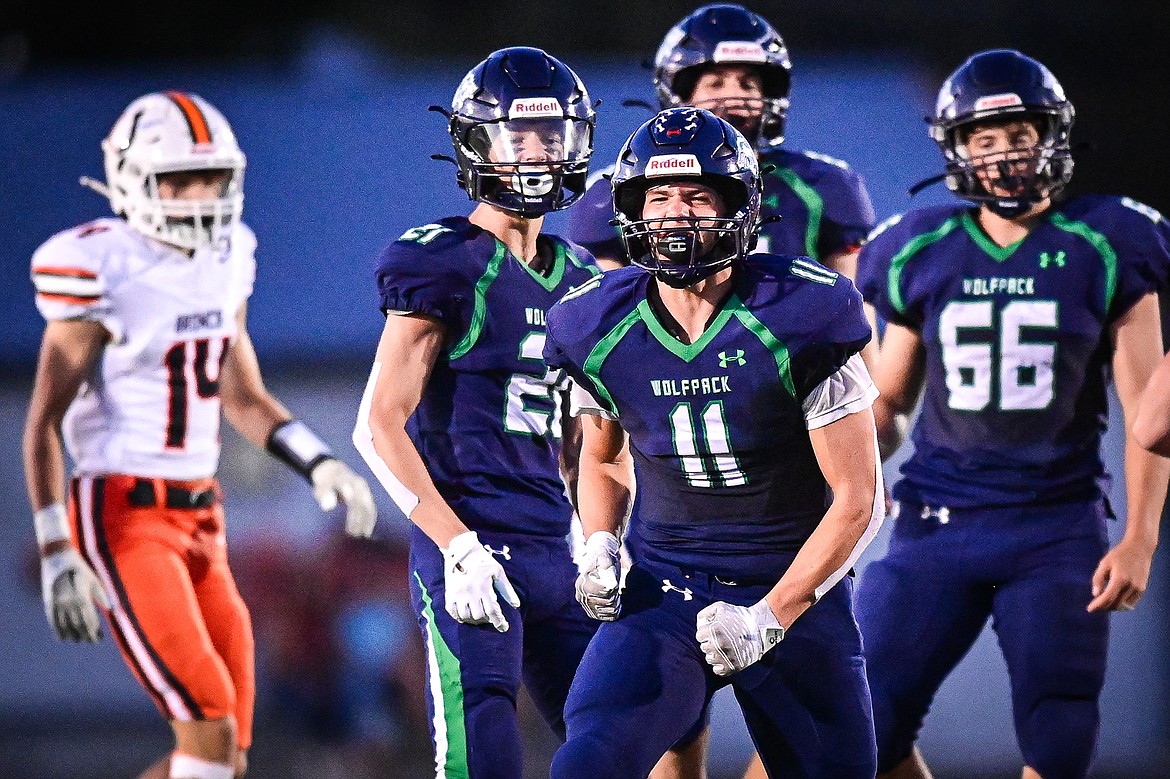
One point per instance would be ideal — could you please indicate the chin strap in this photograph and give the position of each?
(97, 186)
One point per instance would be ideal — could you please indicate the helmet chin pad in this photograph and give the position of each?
(535, 183)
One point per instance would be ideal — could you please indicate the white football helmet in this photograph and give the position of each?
(165, 132)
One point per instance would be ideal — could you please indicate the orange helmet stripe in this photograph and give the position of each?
(200, 133)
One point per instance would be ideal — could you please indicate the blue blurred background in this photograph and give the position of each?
(330, 106)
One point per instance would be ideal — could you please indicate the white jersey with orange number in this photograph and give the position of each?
(151, 406)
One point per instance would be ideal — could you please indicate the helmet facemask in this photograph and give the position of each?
(166, 133)
(761, 119)
(187, 223)
(527, 166)
(1010, 182)
(674, 248)
(683, 250)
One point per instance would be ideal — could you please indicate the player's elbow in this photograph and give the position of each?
(857, 509)
(1151, 430)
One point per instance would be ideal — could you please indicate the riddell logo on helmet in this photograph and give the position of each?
(998, 101)
(203, 148)
(673, 165)
(535, 108)
(739, 51)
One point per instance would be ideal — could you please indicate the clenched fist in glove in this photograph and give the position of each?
(600, 573)
(733, 637)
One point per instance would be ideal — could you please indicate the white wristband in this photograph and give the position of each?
(52, 524)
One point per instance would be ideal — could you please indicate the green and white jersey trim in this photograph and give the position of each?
(446, 693)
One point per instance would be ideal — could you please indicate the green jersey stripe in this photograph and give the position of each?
(912, 247)
(1100, 243)
(479, 309)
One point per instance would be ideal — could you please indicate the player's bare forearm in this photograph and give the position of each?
(44, 465)
(899, 377)
(69, 350)
(247, 404)
(570, 457)
(1151, 424)
(847, 455)
(606, 477)
(1146, 477)
(432, 514)
(411, 344)
(1137, 352)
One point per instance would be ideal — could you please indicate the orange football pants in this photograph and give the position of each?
(177, 616)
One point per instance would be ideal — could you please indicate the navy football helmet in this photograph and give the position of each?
(522, 125)
(1001, 85)
(689, 145)
(727, 34)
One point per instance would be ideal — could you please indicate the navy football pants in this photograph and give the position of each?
(1030, 569)
(643, 682)
(474, 672)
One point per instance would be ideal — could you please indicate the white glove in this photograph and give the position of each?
(69, 588)
(333, 479)
(472, 579)
(734, 637)
(597, 583)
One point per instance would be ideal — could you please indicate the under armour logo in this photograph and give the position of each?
(686, 591)
(736, 357)
(504, 553)
(941, 513)
(1046, 259)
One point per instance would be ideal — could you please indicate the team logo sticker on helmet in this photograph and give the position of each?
(535, 108)
(739, 51)
(998, 101)
(673, 165)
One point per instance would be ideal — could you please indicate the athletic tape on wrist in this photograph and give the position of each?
(190, 767)
(294, 444)
(52, 524)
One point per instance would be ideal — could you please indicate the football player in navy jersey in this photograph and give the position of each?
(465, 432)
(1010, 314)
(738, 382)
(732, 62)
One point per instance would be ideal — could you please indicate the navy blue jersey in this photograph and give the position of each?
(1017, 344)
(489, 423)
(823, 205)
(727, 479)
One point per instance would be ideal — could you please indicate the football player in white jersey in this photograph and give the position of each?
(146, 342)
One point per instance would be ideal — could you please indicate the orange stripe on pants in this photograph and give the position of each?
(177, 616)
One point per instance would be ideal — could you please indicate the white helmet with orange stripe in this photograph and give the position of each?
(166, 133)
